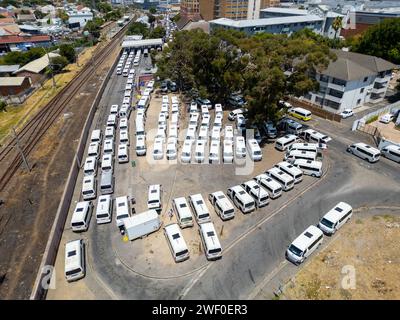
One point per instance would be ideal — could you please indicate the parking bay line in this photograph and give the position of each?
(245, 234)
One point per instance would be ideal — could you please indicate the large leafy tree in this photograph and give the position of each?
(381, 40)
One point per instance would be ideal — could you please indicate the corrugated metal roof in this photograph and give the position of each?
(142, 43)
(9, 68)
(11, 81)
(286, 11)
(266, 21)
(38, 65)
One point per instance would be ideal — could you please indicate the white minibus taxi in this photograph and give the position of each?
(107, 182)
(304, 245)
(176, 242)
(205, 121)
(172, 151)
(240, 147)
(228, 133)
(297, 154)
(203, 134)
(108, 146)
(286, 181)
(183, 213)
(211, 244)
(199, 153)
(304, 147)
(254, 150)
(154, 197)
(123, 154)
(111, 120)
(140, 131)
(158, 150)
(199, 208)
(94, 150)
(165, 99)
(174, 121)
(215, 133)
(218, 109)
(123, 123)
(107, 163)
(213, 156)
(104, 209)
(122, 210)
(309, 167)
(259, 194)
(283, 143)
(193, 121)
(241, 199)
(75, 268)
(186, 153)
(273, 187)
(314, 136)
(335, 218)
(90, 166)
(89, 187)
(114, 110)
(81, 216)
(228, 151)
(191, 133)
(141, 145)
(124, 137)
(173, 131)
(364, 151)
(222, 206)
(109, 133)
(391, 152)
(96, 136)
(291, 170)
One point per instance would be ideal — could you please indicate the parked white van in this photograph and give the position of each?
(81, 216)
(114, 110)
(174, 121)
(218, 121)
(162, 120)
(218, 109)
(96, 136)
(186, 153)
(154, 198)
(89, 185)
(143, 103)
(304, 147)
(228, 133)
(364, 151)
(314, 136)
(215, 133)
(123, 154)
(75, 268)
(213, 156)
(94, 150)
(240, 147)
(309, 167)
(104, 209)
(172, 151)
(191, 133)
(158, 150)
(205, 121)
(199, 153)
(297, 154)
(111, 120)
(291, 170)
(286, 181)
(140, 128)
(228, 151)
(241, 199)
(173, 131)
(108, 146)
(165, 99)
(204, 110)
(222, 206)
(233, 114)
(203, 134)
(254, 150)
(90, 166)
(140, 145)
(107, 182)
(107, 163)
(199, 208)
(183, 212)
(125, 111)
(123, 123)
(211, 244)
(176, 243)
(283, 143)
(273, 187)
(336, 218)
(391, 152)
(175, 109)
(259, 194)
(193, 121)
(124, 137)
(164, 110)
(109, 133)
(122, 210)
(305, 244)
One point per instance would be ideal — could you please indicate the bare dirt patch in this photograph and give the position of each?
(370, 245)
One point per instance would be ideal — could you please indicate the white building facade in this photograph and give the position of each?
(81, 16)
(351, 81)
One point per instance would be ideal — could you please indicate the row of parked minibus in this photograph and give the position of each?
(126, 61)
(117, 118)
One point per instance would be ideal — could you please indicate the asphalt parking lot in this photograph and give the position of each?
(253, 244)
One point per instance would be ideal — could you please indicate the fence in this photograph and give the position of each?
(315, 109)
(19, 98)
(391, 108)
(39, 291)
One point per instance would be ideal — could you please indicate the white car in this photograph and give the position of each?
(386, 118)
(346, 113)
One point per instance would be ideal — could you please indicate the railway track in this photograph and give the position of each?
(32, 132)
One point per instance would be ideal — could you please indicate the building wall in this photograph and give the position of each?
(35, 78)
(232, 9)
(14, 90)
(190, 8)
(269, 3)
(82, 19)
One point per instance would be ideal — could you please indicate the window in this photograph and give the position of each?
(362, 90)
(339, 82)
(358, 101)
(365, 79)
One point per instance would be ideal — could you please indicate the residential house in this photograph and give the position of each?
(10, 86)
(22, 42)
(351, 81)
(8, 70)
(35, 70)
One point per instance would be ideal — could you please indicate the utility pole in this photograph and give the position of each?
(52, 71)
(18, 145)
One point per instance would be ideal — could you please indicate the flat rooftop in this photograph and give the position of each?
(266, 21)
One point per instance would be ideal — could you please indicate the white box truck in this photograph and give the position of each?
(142, 224)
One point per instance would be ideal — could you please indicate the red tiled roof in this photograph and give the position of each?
(7, 20)
(21, 39)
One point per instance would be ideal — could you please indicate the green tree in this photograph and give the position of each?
(39, 14)
(62, 14)
(157, 32)
(153, 10)
(68, 51)
(58, 63)
(151, 18)
(337, 24)
(104, 7)
(381, 40)
(176, 18)
(3, 106)
(138, 28)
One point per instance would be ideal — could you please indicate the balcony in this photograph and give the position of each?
(333, 98)
(382, 79)
(379, 90)
(336, 86)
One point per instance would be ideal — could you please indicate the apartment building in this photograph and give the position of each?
(351, 81)
(190, 9)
